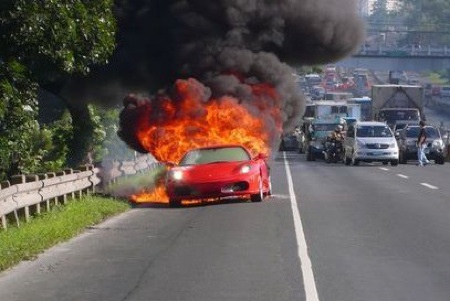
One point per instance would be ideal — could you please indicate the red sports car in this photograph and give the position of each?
(218, 172)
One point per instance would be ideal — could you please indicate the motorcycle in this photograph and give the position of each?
(334, 151)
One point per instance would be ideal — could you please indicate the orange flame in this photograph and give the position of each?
(168, 127)
(193, 121)
(157, 196)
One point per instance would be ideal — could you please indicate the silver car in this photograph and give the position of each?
(370, 141)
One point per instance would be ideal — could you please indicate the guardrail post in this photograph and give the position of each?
(4, 184)
(44, 176)
(63, 197)
(32, 178)
(51, 175)
(69, 171)
(17, 179)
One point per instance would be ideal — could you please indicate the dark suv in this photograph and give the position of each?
(407, 144)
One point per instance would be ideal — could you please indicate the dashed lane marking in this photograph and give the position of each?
(305, 261)
(402, 176)
(383, 168)
(429, 186)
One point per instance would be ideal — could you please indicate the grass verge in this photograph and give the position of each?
(61, 223)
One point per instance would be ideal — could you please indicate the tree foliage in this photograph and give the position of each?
(425, 17)
(55, 38)
(44, 43)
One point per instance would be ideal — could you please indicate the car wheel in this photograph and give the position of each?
(394, 162)
(440, 160)
(309, 155)
(355, 161)
(258, 197)
(313, 157)
(347, 160)
(174, 203)
(269, 187)
(402, 158)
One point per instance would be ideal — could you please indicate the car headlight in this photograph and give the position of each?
(177, 175)
(245, 169)
(393, 145)
(437, 144)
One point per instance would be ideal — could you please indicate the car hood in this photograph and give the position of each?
(429, 140)
(214, 171)
(369, 140)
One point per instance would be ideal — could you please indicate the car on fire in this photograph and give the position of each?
(217, 172)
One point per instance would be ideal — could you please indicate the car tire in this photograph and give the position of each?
(309, 155)
(440, 160)
(174, 203)
(347, 160)
(258, 197)
(269, 187)
(394, 162)
(355, 161)
(402, 158)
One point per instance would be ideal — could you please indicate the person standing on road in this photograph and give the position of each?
(421, 145)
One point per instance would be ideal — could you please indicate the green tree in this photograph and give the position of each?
(18, 111)
(425, 17)
(54, 40)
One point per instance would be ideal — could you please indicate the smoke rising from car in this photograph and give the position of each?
(219, 42)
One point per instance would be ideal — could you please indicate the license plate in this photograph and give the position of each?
(374, 154)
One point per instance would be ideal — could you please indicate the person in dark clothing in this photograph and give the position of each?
(421, 145)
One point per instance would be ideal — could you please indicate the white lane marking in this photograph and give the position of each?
(429, 186)
(402, 176)
(383, 168)
(305, 261)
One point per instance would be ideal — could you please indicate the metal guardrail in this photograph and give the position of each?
(25, 195)
(384, 50)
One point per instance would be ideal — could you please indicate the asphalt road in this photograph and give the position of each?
(330, 232)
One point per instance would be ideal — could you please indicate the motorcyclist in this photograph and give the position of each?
(337, 134)
(334, 150)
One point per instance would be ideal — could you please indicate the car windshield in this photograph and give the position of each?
(210, 155)
(400, 114)
(413, 132)
(373, 131)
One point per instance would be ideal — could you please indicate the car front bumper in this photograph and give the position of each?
(212, 189)
(376, 154)
(431, 153)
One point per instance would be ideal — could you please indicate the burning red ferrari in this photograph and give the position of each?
(218, 172)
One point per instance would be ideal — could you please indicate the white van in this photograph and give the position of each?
(445, 91)
(370, 141)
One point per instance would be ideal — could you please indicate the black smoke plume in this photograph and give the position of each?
(160, 41)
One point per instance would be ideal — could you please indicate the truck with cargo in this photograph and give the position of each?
(397, 105)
